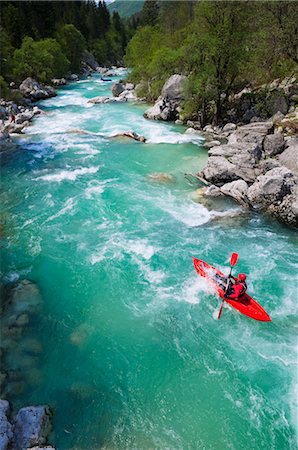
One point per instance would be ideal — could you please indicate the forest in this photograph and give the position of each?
(46, 39)
(221, 46)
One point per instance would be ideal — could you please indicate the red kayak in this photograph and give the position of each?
(246, 304)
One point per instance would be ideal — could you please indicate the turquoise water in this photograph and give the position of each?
(133, 356)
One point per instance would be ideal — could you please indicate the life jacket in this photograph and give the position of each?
(244, 287)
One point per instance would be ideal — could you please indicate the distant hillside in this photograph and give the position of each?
(126, 8)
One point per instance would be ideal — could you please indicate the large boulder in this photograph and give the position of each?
(30, 88)
(273, 144)
(237, 190)
(228, 163)
(174, 87)
(5, 427)
(117, 89)
(289, 157)
(31, 427)
(253, 132)
(89, 60)
(271, 187)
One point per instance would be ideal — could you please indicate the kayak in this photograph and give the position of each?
(245, 304)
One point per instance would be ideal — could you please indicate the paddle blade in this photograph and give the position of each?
(220, 311)
(234, 259)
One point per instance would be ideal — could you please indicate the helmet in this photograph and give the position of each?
(242, 276)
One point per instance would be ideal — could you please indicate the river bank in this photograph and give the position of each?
(124, 321)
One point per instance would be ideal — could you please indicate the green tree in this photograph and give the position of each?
(41, 60)
(150, 12)
(73, 45)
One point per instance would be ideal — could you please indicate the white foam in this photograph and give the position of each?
(68, 206)
(70, 175)
(140, 247)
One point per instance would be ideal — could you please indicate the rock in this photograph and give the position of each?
(190, 131)
(16, 128)
(237, 190)
(273, 144)
(277, 102)
(277, 118)
(161, 177)
(129, 134)
(154, 112)
(30, 88)
(212, 144)
(117, 89)
(289, 157)
(73, 77)
(271, 187)
(89, 60)
(23, 117)
(229, 127)
(129, 86)
(25, 297)
(98, 100)
(22, 320)
(128, 95)
(253, 132)
(179, 122)
(212, 191)
(173, 89)
(58, 82)
(5, 427)
(31, 427)
(228, 163)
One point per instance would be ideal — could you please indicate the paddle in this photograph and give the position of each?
(233, 262)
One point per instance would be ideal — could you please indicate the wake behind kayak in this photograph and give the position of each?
(245, 304)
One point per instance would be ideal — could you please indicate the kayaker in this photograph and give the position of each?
(238, 288)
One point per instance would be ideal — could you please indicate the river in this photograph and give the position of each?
(133, 355)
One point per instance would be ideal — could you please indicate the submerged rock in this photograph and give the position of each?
(130, 135)
(161, 177)
(31, 427)
(5, 427)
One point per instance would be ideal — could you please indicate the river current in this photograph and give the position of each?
(133, 356)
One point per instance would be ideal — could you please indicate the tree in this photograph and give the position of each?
(150, 12)
(73, 45)
(41, 60)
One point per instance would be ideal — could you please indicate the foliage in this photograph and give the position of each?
(3, 88)
(220, 45)
(41, 60)
(73, 45)
(75, 24)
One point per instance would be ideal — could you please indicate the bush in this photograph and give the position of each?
(3, 88)
(73, 45)
(41, 60)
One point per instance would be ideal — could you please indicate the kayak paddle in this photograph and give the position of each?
(233, 262)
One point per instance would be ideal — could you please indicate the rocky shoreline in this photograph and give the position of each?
(253, 159)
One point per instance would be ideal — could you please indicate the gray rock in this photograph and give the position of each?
(289, 158)
(154, 113)
(30, 88)
(229, 127)
(253, 132)
(23, 117)
(58, 81)
(5, 427)
(173, 88)
(277, 118)
(26, 297)
(73, 77)
(117, 89)
(271, 187)
(179, 122)
(237, 190)
(273, 144)
(90, 61)
(31, 427)
(97, 100)
(277, 102)
(212, 191)
(129, 86)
